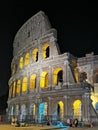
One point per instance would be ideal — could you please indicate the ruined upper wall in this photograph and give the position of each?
(33, 29)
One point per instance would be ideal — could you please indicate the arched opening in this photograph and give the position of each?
(14, 88)
(35, 54)
(33, 81)
(24, 84)
(43, 107)
(23, 113)
(11, 90)
(44, 79)
(17, 110)
(21, 63)
(77, 107)
(57, 76)
(32, 111)
(27, 58)
(18, 87)
(45, 50)
(60, 110)
(12, 110)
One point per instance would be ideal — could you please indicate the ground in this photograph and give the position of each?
(10, 127)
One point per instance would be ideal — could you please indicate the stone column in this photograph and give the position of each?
(86, 107)
(49, 108)
(50, 77)
(65, 107)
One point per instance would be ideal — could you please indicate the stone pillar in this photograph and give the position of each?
(50, 76)
(86, 107)
(66, 73)
(65, 107)
(49, 108)
(38, 81)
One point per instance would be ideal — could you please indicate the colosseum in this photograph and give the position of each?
(46, 84)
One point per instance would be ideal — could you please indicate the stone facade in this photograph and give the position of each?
(44, 83)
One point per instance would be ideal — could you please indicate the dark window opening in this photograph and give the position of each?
(60, 76)
(37, 56)
(47, 52)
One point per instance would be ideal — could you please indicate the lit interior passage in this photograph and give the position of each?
(32, 109)
(18, 87)
(21, 63)
(27, 58)
(42, 110)
(35, 54)
(23, 112)
(33, 81)
(77, 109)
(45, 50)
(24, 84)
(60, 109)
(44, 79)
(57, 76)
(14, 87)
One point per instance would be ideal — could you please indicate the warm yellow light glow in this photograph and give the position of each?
(55, 74)
(24, 84)
(76, 72)
(14, 87)
(18, 87)
(45, 109)
(11, 90)
(33, 81)
(44, 47)
(34, 109)
(21, 63)
(61, 109)
(77, 108)
(44, 79)
(94, 98)
(27, 58)
(35, 54)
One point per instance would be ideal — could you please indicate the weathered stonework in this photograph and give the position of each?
(54, 83)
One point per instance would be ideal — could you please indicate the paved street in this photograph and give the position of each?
(10, 127)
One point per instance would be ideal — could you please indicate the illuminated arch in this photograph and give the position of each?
(18, 86)
(32, 109)
(33, 81)
(27, 59)
(21, 62)
(23, 111)
(43, 108)
(44, 79)
(24, 84)
(77, 109)
(45, 50)
(60, 109)
(14, 87)
(56, 76)
(12, 110)
(35, 54)
(11, 90)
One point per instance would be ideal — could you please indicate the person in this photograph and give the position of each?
(91, 124)
(76, 122)
(68, 121)
(71, 122)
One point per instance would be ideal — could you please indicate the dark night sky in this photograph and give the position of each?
(76, 24)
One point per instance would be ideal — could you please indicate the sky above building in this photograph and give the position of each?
(76, 24)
